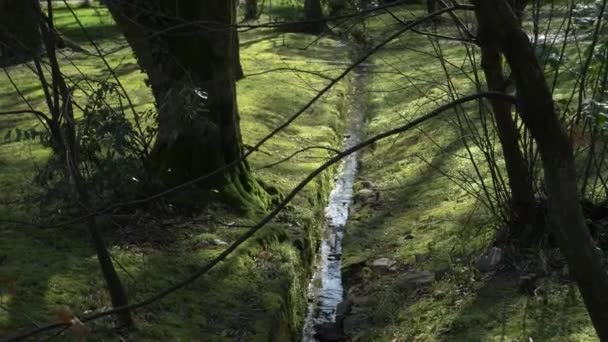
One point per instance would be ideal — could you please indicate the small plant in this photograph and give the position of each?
(113, 152)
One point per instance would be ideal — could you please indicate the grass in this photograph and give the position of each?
(258, 294)
(424, 221)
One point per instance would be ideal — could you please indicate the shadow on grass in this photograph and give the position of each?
(499, 312)
(98, 23)
(285, 12)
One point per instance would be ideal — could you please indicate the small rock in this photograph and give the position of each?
(490, 260)
(408, 237)
(329, 332)
(528, 283)
(416, 280)
(344, 308)
(366, 196)
(368, 185)
(384, 263)
(443, 273)
(439, 294)
(342, 311)
(354, 298)
(565, 272)
(218, 242)
(420, 257)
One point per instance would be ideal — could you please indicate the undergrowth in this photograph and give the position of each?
(258, 294)
(426, 222)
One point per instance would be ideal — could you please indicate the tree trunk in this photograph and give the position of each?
(251, 9)
(523, 212)
(313, 16)
(538, 113)
(19, 34)
(65, 146)
(192, 71)
(431, 6)
(117, 291)
(336, 7)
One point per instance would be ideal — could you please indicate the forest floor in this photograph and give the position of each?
(258, 293)
(414, 234)
(409, 220)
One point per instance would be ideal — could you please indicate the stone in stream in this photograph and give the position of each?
(329, 332)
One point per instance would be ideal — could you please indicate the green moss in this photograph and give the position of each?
(259, 293)
(425, 221)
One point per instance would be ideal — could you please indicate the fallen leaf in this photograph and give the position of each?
(65, 315)
(79, 330)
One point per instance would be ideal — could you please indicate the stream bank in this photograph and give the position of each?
(325, 291)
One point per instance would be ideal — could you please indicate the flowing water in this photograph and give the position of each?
(325, 290)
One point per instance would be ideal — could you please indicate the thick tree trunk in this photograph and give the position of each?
(538, 112)
(251, 9)
(523, 212)
(192, 71)
(313, 15)
(19, 34)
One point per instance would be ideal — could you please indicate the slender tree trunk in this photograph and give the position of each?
(251, 9)
(523, 212)
(192, 71)
(19, 34)
(431, 6)
(66, 147)
(313, 14)
(336, 7)
(538, 112)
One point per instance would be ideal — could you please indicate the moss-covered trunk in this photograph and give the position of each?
(19, 34)
(192, 66)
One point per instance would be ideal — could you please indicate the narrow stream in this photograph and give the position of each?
(325, 290)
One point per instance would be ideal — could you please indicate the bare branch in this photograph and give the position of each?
(238, 242)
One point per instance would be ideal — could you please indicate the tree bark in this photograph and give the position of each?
(431, 6)
(313, 15)
(192, 71)
(251, 9)
(66, 147)
(19, 35)
(538, 113)
(523, 213)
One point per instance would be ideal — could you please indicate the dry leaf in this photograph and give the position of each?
(8, 284)
(577, 136)
(65, 315)
(79, 330)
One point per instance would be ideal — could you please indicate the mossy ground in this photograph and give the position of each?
(258, 294)
(425, 222)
